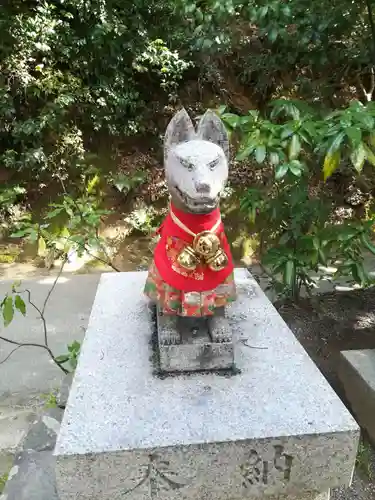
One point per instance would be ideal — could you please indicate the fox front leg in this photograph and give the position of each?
(219, 327)
(168, 332)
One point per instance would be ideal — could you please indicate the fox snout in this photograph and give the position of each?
(202, 187)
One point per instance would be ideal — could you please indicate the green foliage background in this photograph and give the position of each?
(78, 72)
(72, 68)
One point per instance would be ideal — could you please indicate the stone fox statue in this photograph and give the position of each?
(192, 271)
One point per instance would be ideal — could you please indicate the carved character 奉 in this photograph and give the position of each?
(192, 271)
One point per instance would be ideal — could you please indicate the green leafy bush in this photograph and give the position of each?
(72, 68)
(296, 143)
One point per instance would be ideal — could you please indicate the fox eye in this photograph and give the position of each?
(213, 164)
(187, 164)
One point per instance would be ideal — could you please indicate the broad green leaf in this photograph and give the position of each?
(272, 35)
(284, 238)
(8, 310)
(289, 273)
(354, 134)
(33, 235)
(42, 247)
(372, 140)
(294, 147)
(358, 157)
(367, 243)
(287, 132)
(281, 170)
(322, 256)
(221, 110)
(365, 119)
(358, 273)
(310, 128)
(54, 213)
(331, 162)
(336, 143)
(20, 305)
(74, 346)
(347, 233)
(295, 169)
(231, 119)
(73, 363)
(263, 11)
(260, 153)
(19, 234)
(62, 359)
(274, 158)
(370, 155)
(245, 153)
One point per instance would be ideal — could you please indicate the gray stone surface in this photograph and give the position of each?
(63, 394)
(30, 371)
(357, 374)
(14, 424)
(183, 348)
(276, 428)
(32, 477)
(43, 431)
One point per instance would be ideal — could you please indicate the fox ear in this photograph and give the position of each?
(180, 129)
(211, 128)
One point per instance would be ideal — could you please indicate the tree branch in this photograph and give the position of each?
(83, 246)
(41, 315)
(43, 319)
(54, 285)
(10, 354)
(32, 344)
(367, 94)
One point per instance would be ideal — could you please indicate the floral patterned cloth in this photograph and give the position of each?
(192, 304)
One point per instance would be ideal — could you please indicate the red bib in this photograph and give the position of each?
(174, 239)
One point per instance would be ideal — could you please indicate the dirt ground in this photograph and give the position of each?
(326, 325)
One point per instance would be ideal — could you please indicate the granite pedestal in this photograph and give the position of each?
(273, 428)
(182, 348)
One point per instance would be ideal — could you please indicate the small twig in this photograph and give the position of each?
(109, 262)
(53, 286)
(244, 342)
(73, 200)
(9, 355)
(112, 266)
(32, 344)
(41, 313)
(367, 93)
(83, 246)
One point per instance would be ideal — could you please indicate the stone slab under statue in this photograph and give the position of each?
(273, 430)
(191, 277)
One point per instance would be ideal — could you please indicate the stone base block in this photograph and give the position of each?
(192, 349)
(307, 496)
(357, 374)
(273, 429)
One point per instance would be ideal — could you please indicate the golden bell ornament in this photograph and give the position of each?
(188, 259)
(206, 244)
(218, 262)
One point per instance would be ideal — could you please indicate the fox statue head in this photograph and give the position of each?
(196, 162)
